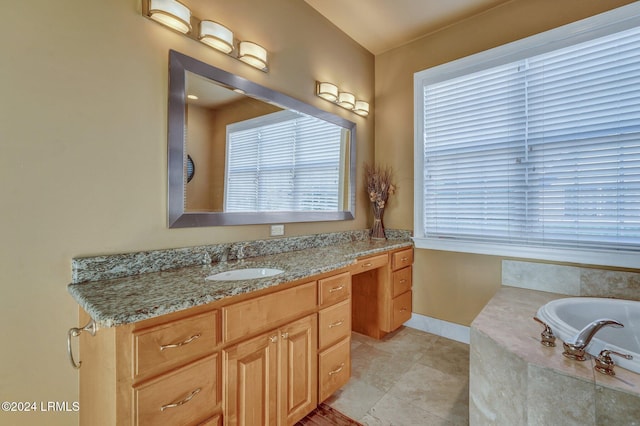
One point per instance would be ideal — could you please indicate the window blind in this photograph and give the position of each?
(544, 151)
(283, 161)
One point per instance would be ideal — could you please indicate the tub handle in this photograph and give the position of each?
(547, 338)
(604, 363)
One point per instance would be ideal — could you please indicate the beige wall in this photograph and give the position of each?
(83, 108)
(452, 286)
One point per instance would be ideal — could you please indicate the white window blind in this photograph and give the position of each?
(543, 151)
(283, 161)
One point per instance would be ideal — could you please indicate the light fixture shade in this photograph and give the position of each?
(346, 100)
(216, 35)
(361, 108)
(253, 54)
(328, 91)
(171, 13)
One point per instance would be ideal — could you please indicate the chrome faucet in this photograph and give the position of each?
(575, 348)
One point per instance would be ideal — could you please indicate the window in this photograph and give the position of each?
(284, 161)
(533, 149)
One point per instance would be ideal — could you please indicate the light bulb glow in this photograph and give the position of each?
(171, 13)
(216, 35)
(253, 54)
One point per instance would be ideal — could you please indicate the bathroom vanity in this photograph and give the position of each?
(250, 352)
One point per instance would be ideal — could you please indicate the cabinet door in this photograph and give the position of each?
(251, 370)
(299, 379)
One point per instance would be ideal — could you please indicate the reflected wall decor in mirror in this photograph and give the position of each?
(262, 156)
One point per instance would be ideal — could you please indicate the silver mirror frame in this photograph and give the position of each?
(179, 64)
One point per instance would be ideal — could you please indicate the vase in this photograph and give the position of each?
(377, 230)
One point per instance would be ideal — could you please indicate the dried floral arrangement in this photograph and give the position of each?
(379, 187)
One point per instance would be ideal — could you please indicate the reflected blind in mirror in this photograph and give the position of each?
(284, 161)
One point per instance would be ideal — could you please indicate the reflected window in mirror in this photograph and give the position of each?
(284, 161)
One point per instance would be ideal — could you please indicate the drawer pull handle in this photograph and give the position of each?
(337, 370)
(404, 259)
(177, 345)
(340, 287)
(403, 310)
(336, 324)
(367, 265)
(273, 338)
(402, 281)
(184, 401)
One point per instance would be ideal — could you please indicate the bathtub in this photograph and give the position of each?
(568, 316)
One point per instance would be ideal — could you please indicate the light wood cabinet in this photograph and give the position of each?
(381, 292)
(271, 379)
(262, 358)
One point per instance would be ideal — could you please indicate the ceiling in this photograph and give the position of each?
(381, 25)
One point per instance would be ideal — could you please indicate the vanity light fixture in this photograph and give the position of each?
(217, 36)
(330, 92)
(346, 100)
(177, 16)
(361, 108)
(253, 54)
(171, 13)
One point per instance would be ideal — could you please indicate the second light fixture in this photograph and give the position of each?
(330, 92)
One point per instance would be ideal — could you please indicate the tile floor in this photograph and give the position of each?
(409, 378)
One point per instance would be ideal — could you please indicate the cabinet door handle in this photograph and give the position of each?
(336, 324)
(184, 401)
(285, 335)
(337, 370)
(340, 287)
(273, 338)
(177, 345)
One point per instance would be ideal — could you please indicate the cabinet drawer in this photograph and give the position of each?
(369, 263)
(334, 323)
(400, 259)
(265, 312)
(401, 281)
(159, 348)
(186, 396)
(334, 289)
(401, 309)
(334, 368)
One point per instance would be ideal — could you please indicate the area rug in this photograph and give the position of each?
(324, 415)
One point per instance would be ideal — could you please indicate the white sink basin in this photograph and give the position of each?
(244, 274)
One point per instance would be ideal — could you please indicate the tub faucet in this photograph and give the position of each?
(574, 348)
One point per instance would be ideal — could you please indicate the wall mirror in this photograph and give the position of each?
(254, 155)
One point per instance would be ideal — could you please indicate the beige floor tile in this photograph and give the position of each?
(355, 399)
(447, 356)
(393, 411)
(445, 395)
(409, 378)
(378, 368)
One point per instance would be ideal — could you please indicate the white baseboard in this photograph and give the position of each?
(439, 327)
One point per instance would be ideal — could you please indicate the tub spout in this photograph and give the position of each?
(575, 348)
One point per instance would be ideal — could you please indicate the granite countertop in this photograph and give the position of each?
(119, 301)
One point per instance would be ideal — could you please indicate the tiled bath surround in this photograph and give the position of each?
(571, 280)
(515, 380)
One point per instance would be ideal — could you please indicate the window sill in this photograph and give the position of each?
(621, 259)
